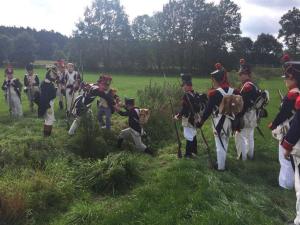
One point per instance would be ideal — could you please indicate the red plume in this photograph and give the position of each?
(218, 66)
(286, 58)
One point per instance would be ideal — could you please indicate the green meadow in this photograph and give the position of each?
(52, 181)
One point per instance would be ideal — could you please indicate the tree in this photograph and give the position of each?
(290, 30)
(106, 24)
(6, 47)
(267, 50)
(24, 49)
(243, 48)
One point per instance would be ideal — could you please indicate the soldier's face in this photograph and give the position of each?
(30, 72)
(290, 82)
(10, 76)
(71, 69)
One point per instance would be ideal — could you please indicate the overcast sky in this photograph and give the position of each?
(61, 15)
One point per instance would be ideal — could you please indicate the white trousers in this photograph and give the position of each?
(15, 105)
(189, 133)
(70, 97)
(297, 189)
(286, 175)
(74, 126)
(244, 142)
(129, 132)
(221, 151)
(49, 115)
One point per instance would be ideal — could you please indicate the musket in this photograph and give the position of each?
(179, 152)
(260, 132)
(30, 97)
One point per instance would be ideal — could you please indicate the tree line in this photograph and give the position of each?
(187, 35)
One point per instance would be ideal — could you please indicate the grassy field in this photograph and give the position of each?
(45, 181)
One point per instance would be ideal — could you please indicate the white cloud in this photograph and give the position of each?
(61, 15)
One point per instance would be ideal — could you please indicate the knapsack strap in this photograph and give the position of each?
(229, 92)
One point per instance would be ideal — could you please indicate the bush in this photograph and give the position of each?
(90, 141)
(157, 98)
(268, 73)
(115, 174)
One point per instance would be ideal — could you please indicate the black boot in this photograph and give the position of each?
(120, 141)
(47, 130)
(61, 107)
(149, 151)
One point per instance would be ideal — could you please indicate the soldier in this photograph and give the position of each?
(104, 107)
(73, 81)
(221, 120)
(83, 102)
(281, 125)
(291, 142)
(47, 97)
(31, 83)
(61, 83)
(187, 114)
(244, 136)
(135, 130)
(12, 88)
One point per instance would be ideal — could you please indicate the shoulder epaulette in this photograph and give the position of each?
(292, 95)
(212, 92)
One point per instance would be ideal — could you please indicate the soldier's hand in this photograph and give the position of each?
(287, 155)
(176, 117)
(270, 126)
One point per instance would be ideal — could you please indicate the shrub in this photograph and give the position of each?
(267, 72)
(157, 99)
(116, 173)
(90, 141)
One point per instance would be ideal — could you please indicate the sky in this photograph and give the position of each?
(61, 15)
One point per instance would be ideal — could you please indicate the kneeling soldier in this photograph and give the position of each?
(135, 130)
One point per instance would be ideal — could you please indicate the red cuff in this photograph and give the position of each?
(212, 93)
(297, 105)
(287, 146)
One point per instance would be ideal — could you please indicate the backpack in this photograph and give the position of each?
(231, 104)
(263, 98)
(198, 102)
(144, 115)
